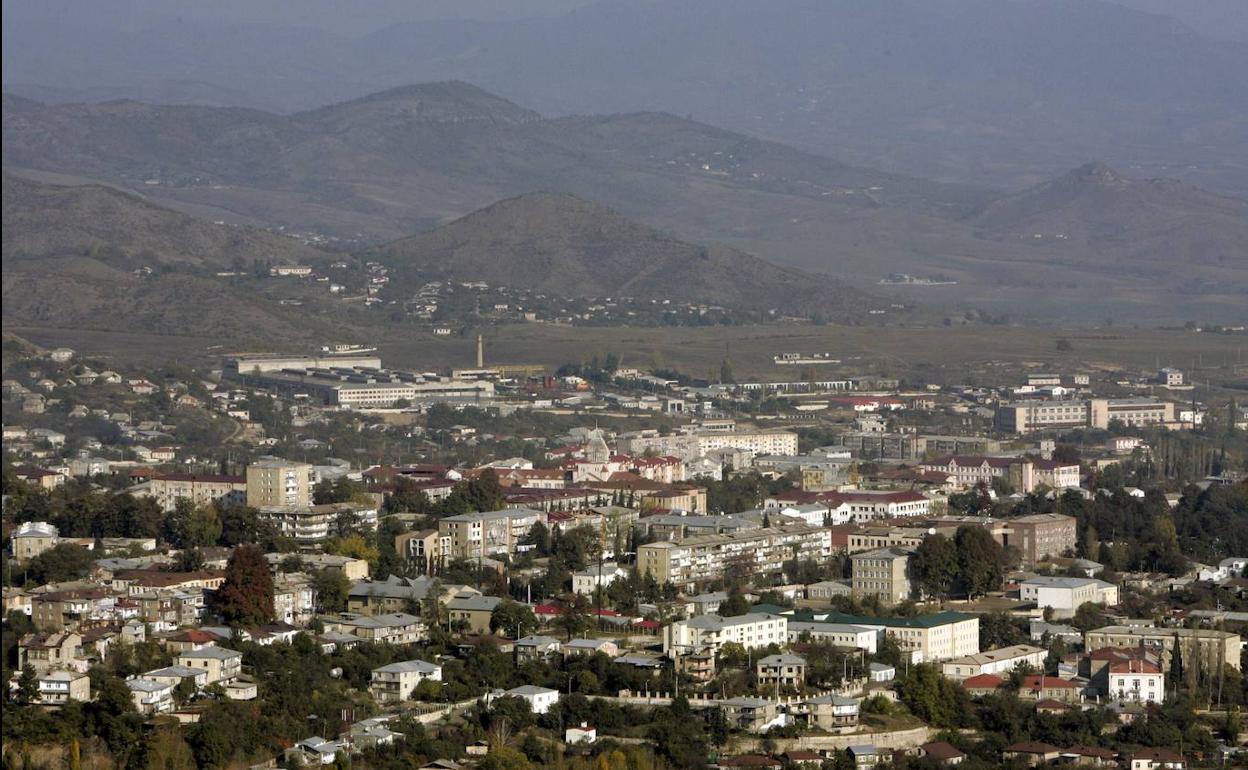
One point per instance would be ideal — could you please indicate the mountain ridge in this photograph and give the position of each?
(562, 244)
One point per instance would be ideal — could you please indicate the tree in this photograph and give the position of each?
(189, 560)
(726, 375)
(332, 588)
(246, 596)
(59, 563)
(981, 560)
(27, 685)
(1063, 345)
(573, 616)
(538, 536)
(513, 618)
(203, 527)
(936, 565)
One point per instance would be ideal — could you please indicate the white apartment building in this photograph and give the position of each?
(1136, 681)
(762, 551)
(396, 682)
(999, 661)
(846, 635)
(934, 637)
(690, 446)
(708, 633)
(868, 505)
(1066, 594)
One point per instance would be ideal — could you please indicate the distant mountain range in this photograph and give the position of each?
(988, 92)
(404, 161)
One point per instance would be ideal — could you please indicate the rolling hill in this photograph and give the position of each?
(1095, 214)
(563, 245)
(43, 220)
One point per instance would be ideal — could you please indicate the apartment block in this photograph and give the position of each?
(882, 573)
(476, 535)
(1039, 535)
(1066, 594)
(276, 483)
(708, 633)
(759, 552)
(1129, 411)
(1035, 415)
(1207, 644)
(168, 488)
(933, 637)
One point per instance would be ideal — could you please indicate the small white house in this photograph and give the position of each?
(540, 698)
(580, 735)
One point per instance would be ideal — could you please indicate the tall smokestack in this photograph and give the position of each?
(480, 351)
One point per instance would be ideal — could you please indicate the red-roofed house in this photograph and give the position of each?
(1157, 759)
(1044, 687)
(982, 684)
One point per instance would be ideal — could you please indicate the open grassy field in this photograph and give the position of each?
(882, 350)
(939, 353)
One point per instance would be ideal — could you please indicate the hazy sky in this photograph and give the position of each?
(347, 16)
(1220, 18)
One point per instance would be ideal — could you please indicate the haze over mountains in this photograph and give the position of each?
(400, 162)
(1001, 93)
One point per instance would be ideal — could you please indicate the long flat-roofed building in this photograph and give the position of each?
(760, 551)
(1207, 644)
(933, 637)
(708, 633)
(354, 382)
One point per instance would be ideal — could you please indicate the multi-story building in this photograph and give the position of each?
(1065, 595)
(1129, 411)
(933, 637)
(419, 546)
(276, 483)
(151, 696)
(883, 573)
(869, 444)
(474, 535)
(1030, 416)
(868, 505)
(388, 628)
(785, 670)
(1024, 474)
(758, 552)
(396, 682)
(997, 661)
(1039, 535)
(1210, 646)
(708, 633)
(222, 665)
(1136, 681)
(49, 652)
(61, 686)
(316, 523)
(689, 446)
(168, 488)
(845, 635)
(33, 538)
